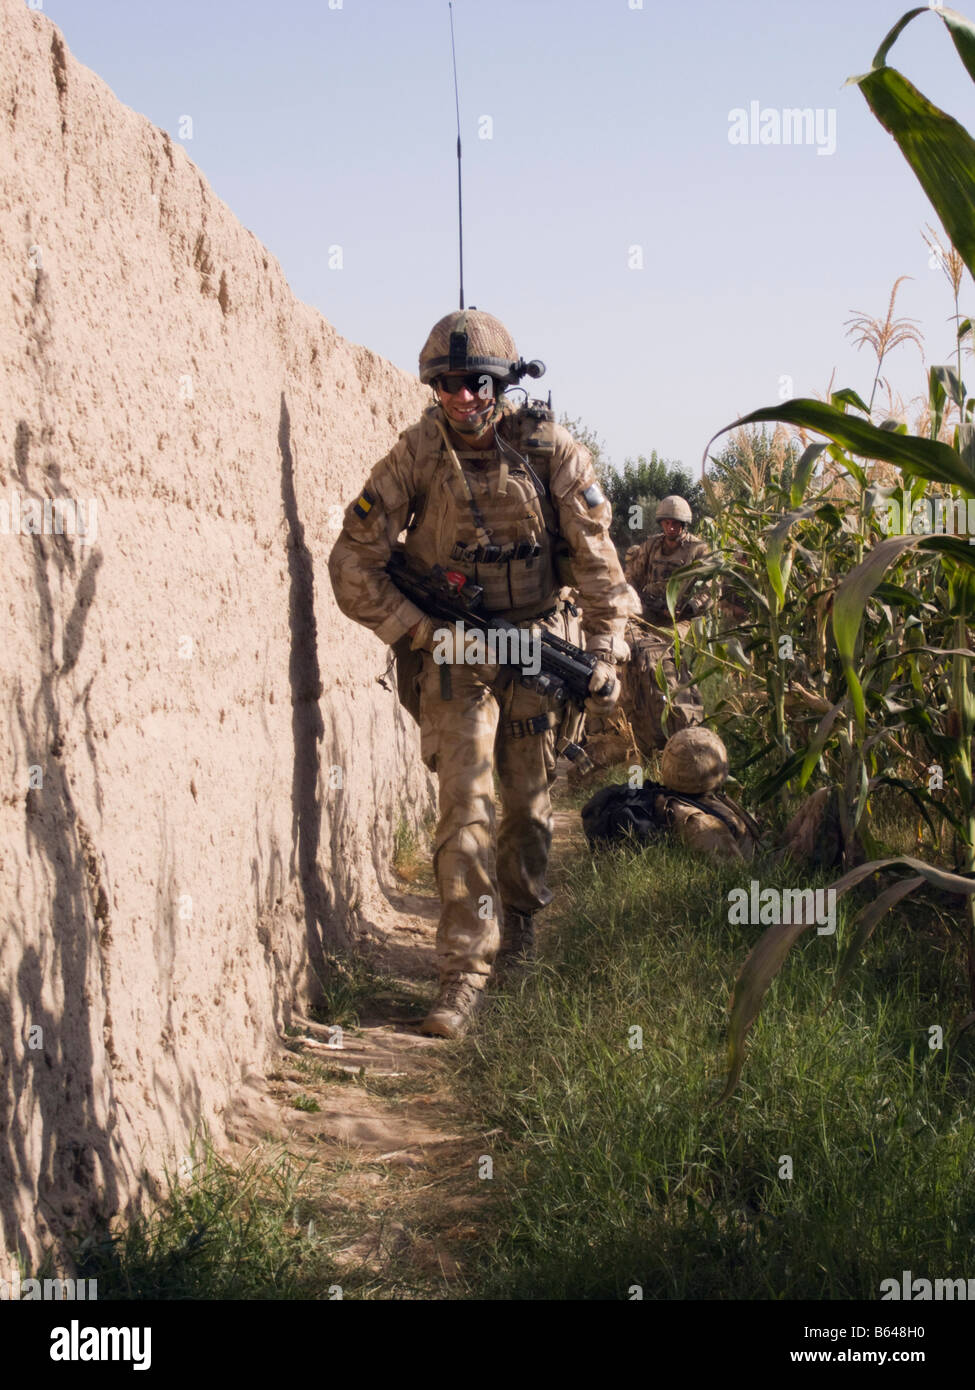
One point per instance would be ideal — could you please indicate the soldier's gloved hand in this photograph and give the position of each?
(603, 675)
(444, 641)
(421, 636)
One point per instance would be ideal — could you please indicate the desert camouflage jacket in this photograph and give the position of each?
(649, 568)
(411, 490)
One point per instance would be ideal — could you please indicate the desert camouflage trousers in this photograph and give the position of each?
(642, 700)
(482, 870)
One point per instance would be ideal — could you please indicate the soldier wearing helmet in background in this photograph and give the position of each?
(507, 497)
(649, 568)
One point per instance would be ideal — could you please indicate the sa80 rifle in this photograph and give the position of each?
(564, 670)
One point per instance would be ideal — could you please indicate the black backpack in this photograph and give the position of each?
(620, 811)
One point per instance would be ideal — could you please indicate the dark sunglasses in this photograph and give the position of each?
(478, 383)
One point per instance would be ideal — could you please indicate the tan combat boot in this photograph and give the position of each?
(517, 944)
(454, 1008)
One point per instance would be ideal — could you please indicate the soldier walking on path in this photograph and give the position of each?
(649, 567)
(502, 494)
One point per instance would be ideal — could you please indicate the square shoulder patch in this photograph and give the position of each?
(364, 504)
(593, 496)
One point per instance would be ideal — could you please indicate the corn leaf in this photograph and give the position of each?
(735, 654)
(849, 603)
(899, 597)
(850, 464)
(768, 955)
(948, 384)
(922, 799)
(939, 150)
(847, 396)
(862, 794)
(962, 33)
(958, 550)
(937, 651)
(867, 919)
(764, 962)
(803, 473)
(766, 787)
(925, 458)
(941, 878)
(779, 565)
(880, 57)
(818, 743)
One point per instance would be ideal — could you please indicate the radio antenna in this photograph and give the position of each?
(460, 194)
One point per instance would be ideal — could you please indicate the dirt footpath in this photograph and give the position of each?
(369, 1108)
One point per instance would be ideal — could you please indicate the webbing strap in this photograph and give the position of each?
(537, 724)
(712, 808)
(483, 535)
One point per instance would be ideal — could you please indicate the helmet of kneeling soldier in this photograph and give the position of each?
(694, 761)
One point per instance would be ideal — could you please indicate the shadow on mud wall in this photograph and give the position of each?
(182, 1094)
(55, 1078)
(324, 931)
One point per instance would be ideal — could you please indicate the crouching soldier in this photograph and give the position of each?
(687, 804)
(649, 568)
(506, 497)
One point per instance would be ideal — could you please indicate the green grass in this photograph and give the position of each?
(348, 986)
(618, 1169)
(315, 1071)
(614, 1167)
(229, 1231)
(413, 852)
(308, 1103)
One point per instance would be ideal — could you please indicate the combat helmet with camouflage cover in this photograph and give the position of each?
(694, 761)
(675, 507)
(469, 340)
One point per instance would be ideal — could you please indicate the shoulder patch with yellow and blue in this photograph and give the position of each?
(364, 505)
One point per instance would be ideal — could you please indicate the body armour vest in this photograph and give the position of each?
(487, 512)
(650, 569)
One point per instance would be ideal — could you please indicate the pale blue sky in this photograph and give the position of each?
(326, 126)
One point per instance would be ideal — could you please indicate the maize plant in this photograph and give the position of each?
(891, 670)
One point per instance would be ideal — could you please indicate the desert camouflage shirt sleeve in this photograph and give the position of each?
(584, 516)
(636, 567)
(357, 564)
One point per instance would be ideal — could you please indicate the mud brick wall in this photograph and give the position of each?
(199, 776)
